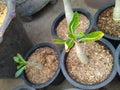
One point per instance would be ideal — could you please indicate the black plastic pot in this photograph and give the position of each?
(113, 40)
(27, 8)
(94, 86)
(60, 17)
(56, 79)
(117, 56)
(97, 3)
(23, 87)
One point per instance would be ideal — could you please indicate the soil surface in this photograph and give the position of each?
(107, 25)
(97, 70)
(49, 59)
(62, 29)
(3, 11)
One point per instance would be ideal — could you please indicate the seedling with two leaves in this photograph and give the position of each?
(76, 38)
(23, 64)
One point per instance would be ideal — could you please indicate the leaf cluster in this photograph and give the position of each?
(21, 64)
(79, 36)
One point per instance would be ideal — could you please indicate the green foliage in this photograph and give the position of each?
(74, 23)
(69, 44)
(19, 72)
(58, 41)
(79, 34)
(93, 36)
(78, 37)
(21, 64)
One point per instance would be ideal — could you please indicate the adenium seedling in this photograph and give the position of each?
(76, 38)
(22, 64)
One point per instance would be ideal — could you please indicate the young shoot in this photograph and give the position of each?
(116, 11)
(22, 64)
(77, 38)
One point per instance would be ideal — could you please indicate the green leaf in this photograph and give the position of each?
(19, 72)
(68, 44)
(20, 65)
(79, 34)
(21, 58)
(74, 23)
(58, 41)
(71, 36)
(16, 59)
(93, 36)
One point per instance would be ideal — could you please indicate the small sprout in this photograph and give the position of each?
(76, 38)
(21, 64)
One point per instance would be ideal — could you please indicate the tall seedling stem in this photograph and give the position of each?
(69, 16)
(116, 11)
(68, 11)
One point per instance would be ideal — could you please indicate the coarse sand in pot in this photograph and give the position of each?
(107, 24)
(97, 70)
(46, 56)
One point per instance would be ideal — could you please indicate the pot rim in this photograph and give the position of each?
(108, 5)
(61, 16)
(117, 55)
(24, 77)
(22, 87)
(94, 86)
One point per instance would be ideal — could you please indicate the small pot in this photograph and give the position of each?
(113, 40)
(23, 87)
(60, 17)
(27, 8)
(117, 56)
(84, 86)
(56, 79)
